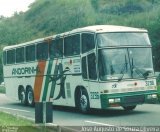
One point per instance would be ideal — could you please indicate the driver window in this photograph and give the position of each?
(92, 66)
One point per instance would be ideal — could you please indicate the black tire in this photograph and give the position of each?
(22, 96)
(83, 101)
(30, 97)
(129, 108)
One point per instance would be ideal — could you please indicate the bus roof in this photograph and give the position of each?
(109, 28)
(94, 29)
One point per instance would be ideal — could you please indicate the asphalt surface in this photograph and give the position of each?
(143, 115)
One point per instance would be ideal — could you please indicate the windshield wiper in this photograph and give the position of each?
(123, 69)
(141, 72)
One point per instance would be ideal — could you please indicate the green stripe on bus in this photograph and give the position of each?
(47, 80)
(104, 97)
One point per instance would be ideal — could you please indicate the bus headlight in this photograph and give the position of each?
(115, 100)
(111, 101)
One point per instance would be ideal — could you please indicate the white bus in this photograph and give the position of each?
(98, 66)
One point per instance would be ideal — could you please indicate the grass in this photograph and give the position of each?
(2, 89)
(11, 120)
(13, 123)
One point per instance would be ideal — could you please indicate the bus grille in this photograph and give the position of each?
(134, 99)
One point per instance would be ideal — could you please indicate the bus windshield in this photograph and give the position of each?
(115, 39)
(118, 64)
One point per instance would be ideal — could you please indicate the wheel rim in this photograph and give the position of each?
(30, 97)
(22, 97)
(83, 102)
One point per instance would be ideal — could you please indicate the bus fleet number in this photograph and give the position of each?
(149, 83)
(94, 95)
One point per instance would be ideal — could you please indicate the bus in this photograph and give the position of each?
(98, 66)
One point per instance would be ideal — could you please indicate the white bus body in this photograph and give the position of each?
(92, 67)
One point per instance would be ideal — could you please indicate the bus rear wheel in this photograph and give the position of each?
(22, 97)
(30, 97)
(129, 108)
(83, 101)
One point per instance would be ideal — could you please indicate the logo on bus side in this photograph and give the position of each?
(55, 78)
(25, 70)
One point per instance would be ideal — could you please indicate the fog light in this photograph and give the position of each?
(111, 101)
(117, 100)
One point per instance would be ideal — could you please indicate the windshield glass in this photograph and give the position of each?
(124, 63)
(141, 61)
(115, 39)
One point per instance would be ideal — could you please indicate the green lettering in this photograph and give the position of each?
(25, 70)
(18, 71)
(22, 71)
(13, 71)
(33, 70)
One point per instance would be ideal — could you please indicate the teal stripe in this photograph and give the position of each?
(104, 97)
(47, 80)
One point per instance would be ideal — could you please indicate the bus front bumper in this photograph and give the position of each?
(127, 99)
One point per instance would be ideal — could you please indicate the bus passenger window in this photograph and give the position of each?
(20, 55)
(87, 42)
(72, 45)
(42, 51)
(11, 56)
(56, 48)
(84, 68)
(92, 66)
(30, 53)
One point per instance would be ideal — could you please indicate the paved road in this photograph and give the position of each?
(143, 115)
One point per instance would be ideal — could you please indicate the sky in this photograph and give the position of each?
(8, 7)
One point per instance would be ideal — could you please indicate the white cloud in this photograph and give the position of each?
(8, 7)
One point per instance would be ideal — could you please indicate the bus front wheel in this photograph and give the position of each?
(83, 101)
(129, 108)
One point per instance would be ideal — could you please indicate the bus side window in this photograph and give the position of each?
(87, 42)
(92, 66)
(56, 48)
(42, 51)
(11, 56)
(72, 45)
(4, 57)
(20, 55)
(84, 68)
(30, 53)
